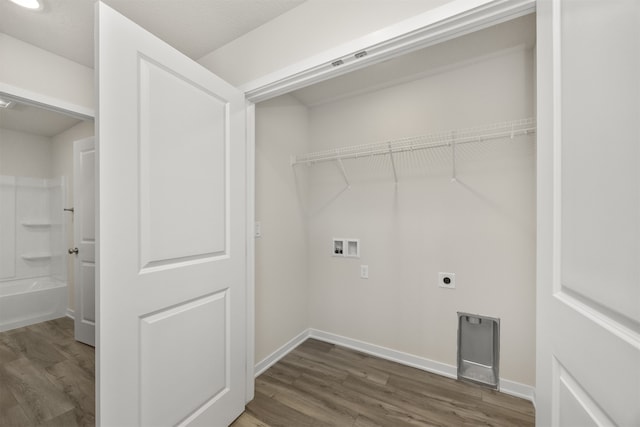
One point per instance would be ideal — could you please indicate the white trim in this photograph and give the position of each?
(46, 102)
(512, 388)
(509, 387)
(422, 74)
(274, 357)
(517, 389)
(387, 353)
(448, 21)
(250, 137)
(71, 314)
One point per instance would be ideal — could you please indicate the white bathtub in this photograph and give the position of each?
(27, 301)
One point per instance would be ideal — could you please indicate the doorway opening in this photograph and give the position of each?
(38, 276)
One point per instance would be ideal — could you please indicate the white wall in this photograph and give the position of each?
(30, 197)
(24, 154)
(309, 29)
(32, 70)
(481, 228)
(62, 165)
(281, 253)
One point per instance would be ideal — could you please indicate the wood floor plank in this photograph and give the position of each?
(336, 361)
(338, 397)
(508, 402)
(283, 373)
(14, 416)
(72, 418)
(311, 367)
(375, 392)
(302, 402)
(276, 414)
(79, 388)
(6, 353)
(36, 348)
(425, 410)
(248, 420)
(80, 354)
(40, 399)
(58, 330)
(317, 345)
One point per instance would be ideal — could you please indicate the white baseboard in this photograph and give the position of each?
(518, 390)
(271, 359)
(506, 386)
(387, 353)
(71, 314)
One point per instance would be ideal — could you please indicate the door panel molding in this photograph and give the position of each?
(623, 328)
(569, 392)
(186, 358)
(167, 101)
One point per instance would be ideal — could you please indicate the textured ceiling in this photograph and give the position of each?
(195, 27)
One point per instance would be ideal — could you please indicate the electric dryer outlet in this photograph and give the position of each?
(447, 280)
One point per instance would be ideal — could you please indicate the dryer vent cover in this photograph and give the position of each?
(479, 349)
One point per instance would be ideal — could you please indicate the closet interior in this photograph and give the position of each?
(426, 160)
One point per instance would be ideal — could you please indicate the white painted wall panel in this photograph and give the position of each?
(281, 253)
(37, 71)
(309, 29)
(24, 154)
(482, 228)
(7, 227)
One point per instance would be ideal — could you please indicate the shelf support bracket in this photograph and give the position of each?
(393, 165)
(343, 171)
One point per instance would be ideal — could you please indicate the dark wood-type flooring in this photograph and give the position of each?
(320, 384)
(47, 379)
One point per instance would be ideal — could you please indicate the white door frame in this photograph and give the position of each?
(454, 19)
(84, 329)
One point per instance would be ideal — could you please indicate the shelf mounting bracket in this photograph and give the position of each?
(393, 165)
(343, 171)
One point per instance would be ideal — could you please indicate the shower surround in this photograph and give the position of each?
(32, 251)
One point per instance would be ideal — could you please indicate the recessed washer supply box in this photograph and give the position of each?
(349, 248)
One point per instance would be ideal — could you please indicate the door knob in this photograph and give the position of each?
(73, 251)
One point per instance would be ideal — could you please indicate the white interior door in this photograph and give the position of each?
(84, 239)
(171, 242)
(588, 309)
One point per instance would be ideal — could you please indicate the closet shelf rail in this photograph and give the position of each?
(509, 129)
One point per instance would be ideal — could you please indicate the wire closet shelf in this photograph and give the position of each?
(452, 138)
(509, 129)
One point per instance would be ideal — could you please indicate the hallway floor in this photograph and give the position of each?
(46, 377)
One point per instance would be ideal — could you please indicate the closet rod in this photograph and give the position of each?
(501, 130)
